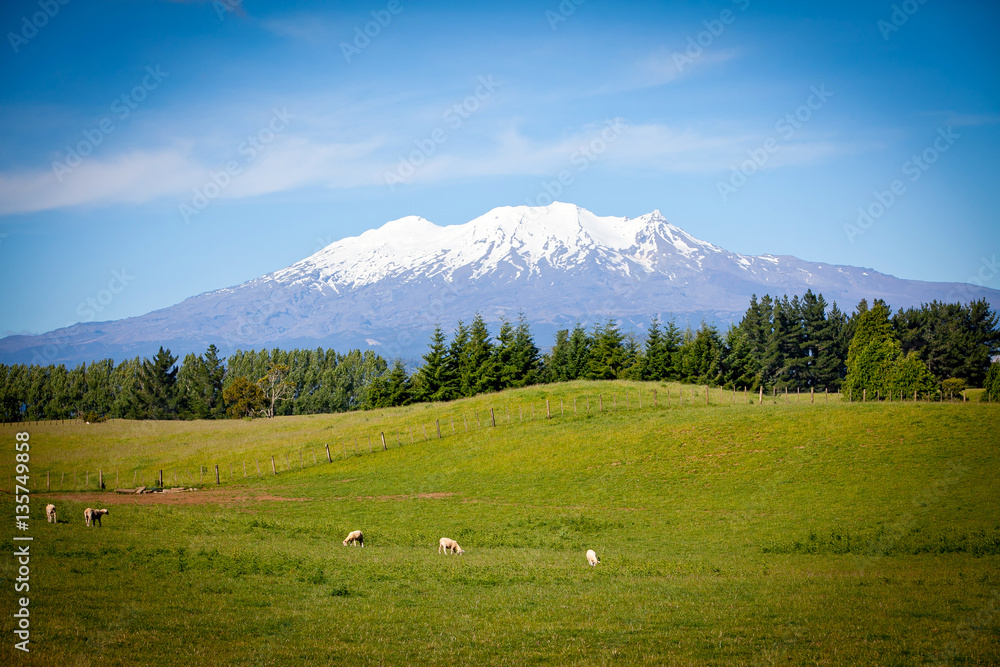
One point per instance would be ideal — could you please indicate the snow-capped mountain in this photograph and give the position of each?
(560, 264)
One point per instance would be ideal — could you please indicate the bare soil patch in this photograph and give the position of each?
(199, 497)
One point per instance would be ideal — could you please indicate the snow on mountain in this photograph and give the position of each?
(558, 264)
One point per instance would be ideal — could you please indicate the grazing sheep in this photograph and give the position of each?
(355, 538)
(91, 516)
(50, 513)
(592, 558)
(449, 545)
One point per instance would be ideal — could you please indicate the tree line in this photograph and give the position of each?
(247, 384)
(794, 343)
(797, 343)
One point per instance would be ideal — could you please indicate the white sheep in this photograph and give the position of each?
(92, 516)
(449, 546)
(592, 558)
(354, 538)
(50, 513)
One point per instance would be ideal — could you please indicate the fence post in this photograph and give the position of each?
(864, 395)
(654, 398)
(217, 474)
(385, 447)
(160, 478)
(133, 476)
(244, 470)
(274, 468)
(548, 412)
(257, 461)
(760, 395)
(329, 459)
(437, 425)
(493, 417)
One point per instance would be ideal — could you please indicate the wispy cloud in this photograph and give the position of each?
(297, 161)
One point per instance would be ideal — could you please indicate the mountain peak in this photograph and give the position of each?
(558, 264)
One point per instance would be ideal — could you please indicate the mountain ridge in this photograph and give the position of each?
(559, 264)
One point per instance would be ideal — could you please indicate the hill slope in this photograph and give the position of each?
(832, 533)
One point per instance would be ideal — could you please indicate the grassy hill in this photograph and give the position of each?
(729, 533)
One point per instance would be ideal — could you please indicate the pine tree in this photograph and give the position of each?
(739, 366)
(503, 352)
(705, 356)
(460, 371)
(524, 357)
(821, 368)
(661, 348)
(556, 362)
(156, 387)
(607, 356)
(580, 344)
(429, 384)
(484, 374)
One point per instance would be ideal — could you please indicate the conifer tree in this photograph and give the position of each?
(483, 372)
(660, 353)
(578, 353)
(556, 362)
(524, 358)
(430, 383)
(740, 369)
(607, 356)
(155, 392)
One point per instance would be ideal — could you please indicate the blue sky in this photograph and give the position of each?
(151, 151)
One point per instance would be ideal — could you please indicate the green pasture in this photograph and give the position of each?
(802, 531)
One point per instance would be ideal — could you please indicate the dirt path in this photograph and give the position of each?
(200, 497)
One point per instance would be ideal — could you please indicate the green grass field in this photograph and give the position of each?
(785, 533)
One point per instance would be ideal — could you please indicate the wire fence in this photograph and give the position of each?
(450, 423)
